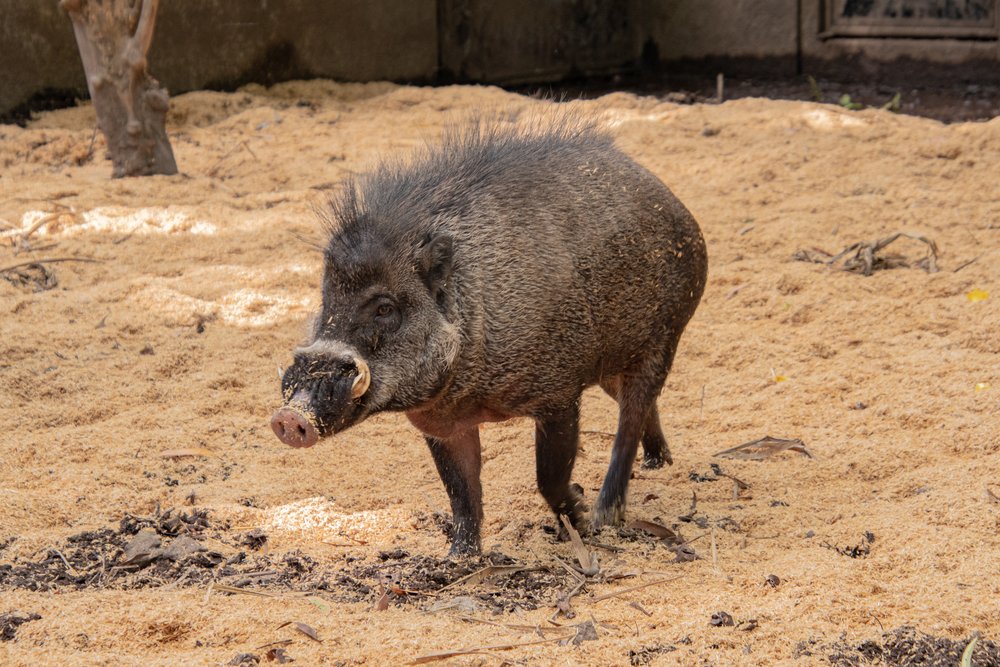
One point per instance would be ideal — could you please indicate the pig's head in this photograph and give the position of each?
(384, 338)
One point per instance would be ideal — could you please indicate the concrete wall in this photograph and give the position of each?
(537, 40)
(691, 29)
(788, 36)
(223, 43)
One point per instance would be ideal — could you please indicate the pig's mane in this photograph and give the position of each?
(487, 151)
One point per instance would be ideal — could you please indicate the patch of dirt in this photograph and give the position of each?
(908, 647)
(11, 621)
(955, 102)
(169, 549)
(143, 378)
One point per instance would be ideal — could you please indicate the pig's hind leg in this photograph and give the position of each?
(655, 451)
(637, 394)
(556, 441)
(459, 460)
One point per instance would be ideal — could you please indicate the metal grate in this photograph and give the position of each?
(954, 19)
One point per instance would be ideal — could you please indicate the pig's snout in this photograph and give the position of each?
(293, 428)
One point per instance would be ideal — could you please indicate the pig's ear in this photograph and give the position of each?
(434, 262)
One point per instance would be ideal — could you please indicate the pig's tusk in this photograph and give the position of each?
(362, 382)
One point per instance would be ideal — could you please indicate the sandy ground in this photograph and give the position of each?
(204, 282)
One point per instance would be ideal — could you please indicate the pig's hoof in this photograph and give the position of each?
(463, 550)
(607, 516)
(654, 462)
(293, 428)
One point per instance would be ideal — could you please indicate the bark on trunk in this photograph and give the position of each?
(114, 37)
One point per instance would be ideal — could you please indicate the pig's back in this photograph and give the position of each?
(573, 261)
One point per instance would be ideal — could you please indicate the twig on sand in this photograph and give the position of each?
(965, 264)
(482, 573)
(444, 655)
(602, 545)
(715, 554)
(622, 591)
(563, 605)
(69, 567)
(242, 591)
(636, 605)
(519, 627)
(49, 260)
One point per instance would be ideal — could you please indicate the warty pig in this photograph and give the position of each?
(497, 276)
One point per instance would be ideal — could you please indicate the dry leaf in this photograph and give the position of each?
(589, 565)
(278, 655)
(483, 573)
(304, 629)
(656, 530)
(763, 448)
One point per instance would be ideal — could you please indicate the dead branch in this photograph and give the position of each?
(114, 37)
(863, 257)
(483, 649)
(50, 260)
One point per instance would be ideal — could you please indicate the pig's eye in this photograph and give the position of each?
(386, 316)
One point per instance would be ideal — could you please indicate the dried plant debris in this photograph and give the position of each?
(36, 277)
(859, 550)
(585, 632)
(305, 629)
(11, 621)
(278, 655)
(646, 654)
(721, 619)
(764, 448)
(739, 486)
(149, 552)
(253, 539)
(863, 257)
(906, 647)
(671, 538)
(493, 581)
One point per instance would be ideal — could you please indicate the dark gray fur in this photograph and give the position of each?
(528, 261)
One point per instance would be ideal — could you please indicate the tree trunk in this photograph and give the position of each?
(114, 37)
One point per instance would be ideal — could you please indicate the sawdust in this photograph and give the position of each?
(205, 284)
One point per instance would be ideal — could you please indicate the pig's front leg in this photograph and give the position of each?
(458, 459)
